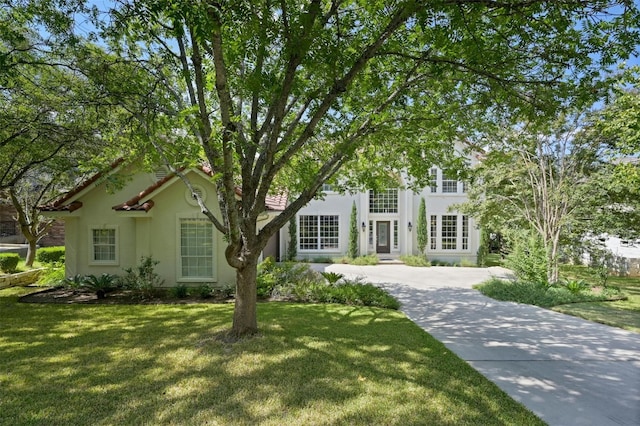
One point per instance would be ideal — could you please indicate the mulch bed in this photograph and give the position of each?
(61, 295)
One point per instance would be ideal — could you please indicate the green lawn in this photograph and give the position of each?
(160, 364)
(624, 314)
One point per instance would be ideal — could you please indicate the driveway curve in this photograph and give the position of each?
(567, 370)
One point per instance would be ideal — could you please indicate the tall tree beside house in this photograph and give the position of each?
(616, 126)
(287, 95)
(539, 180)
(292, 250)
(353, 232)
(423, 233)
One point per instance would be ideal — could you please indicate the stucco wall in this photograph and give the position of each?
(139, 234)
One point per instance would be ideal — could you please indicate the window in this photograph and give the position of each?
(383, 201)
(370, 233)
(433, 177)
(196, 248)
(449, 232)
(449, 185)
(395, 234)
(326, 187)
(319, 232)
(103, 245)
(7, 228)
(465, 232)
(434, 231)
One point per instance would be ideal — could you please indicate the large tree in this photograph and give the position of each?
(617, 126)
(284, 95)
(541, 180)
(62, 107)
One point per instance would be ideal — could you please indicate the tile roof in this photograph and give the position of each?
(141, 202)
(60, 204)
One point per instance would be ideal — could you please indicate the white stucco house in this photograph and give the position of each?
(108, 229)
(387, 223)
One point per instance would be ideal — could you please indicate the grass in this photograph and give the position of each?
(623, 314)
(161, 364)
(594, 307)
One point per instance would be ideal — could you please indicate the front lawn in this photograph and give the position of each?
(624, 313)
(161, 364)
(618, 304)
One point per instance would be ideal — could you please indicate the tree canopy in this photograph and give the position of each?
(283, 96)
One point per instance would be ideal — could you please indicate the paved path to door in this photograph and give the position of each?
(566, 370)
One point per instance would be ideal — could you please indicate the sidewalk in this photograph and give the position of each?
(566, 370)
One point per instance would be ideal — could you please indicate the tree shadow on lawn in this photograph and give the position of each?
(74, 364)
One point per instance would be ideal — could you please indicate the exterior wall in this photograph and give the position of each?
(332, 204)
(403, 240)
(139, 234)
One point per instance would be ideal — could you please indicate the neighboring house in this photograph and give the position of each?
(10, 229)
(152, 214)
(387, 223)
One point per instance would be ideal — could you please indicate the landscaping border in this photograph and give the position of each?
(20, 278)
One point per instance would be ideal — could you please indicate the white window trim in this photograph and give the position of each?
(459, 236)
(178, 264)
(92, 260)
(320, 250)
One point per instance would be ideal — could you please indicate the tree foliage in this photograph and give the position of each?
(617, 127)
(540, 179)
(423, 233)
(354, 235)
(286, 95)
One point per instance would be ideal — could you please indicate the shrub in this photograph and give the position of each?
(204, 291)
(271, 274)
(370, 259)
(53, 275)
(528, 259)
(542, 295)
(575, 286)
(413, 260)
(101, 285)
(50, 255)
(181, 291)
(143, 278)
(9, 262)
(464, 262)
(73, 282)
(332, 277)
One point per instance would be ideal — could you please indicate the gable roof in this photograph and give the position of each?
(67, 203)
(141, 202)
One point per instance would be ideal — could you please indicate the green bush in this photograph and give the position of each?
(101, 285)
(370, 259)
(50, 255)
(540, 294)
(181, 291)
(332, 277)
(9, 262)
(74, 282)
(53, 275)
(271, 274)
(413, 260)
(143, 279)
(528, 259)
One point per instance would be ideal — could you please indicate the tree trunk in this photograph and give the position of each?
(245, 319)
(31, 251)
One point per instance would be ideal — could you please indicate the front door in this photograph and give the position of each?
(383, 237)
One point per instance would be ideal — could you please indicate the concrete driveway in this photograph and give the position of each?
(566, 370)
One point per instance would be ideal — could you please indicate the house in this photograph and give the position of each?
(109, 229)
(11, 238)
(387, 223)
